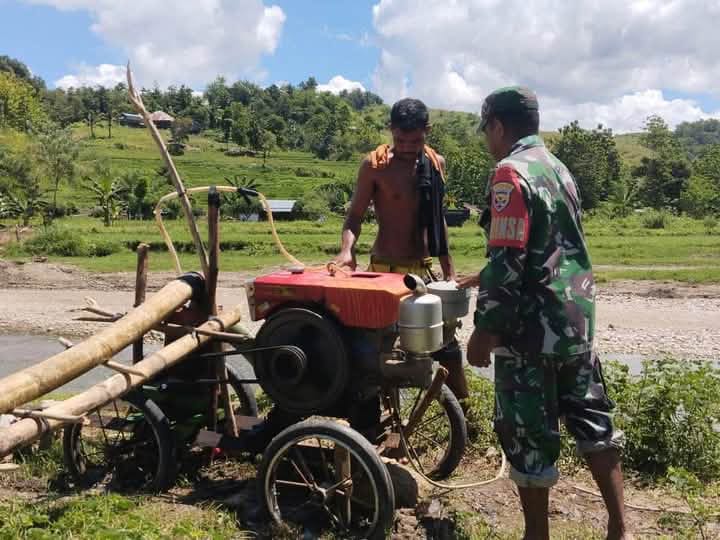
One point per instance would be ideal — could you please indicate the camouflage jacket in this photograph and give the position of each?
(537, 290)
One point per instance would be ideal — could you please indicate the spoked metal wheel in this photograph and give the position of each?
(436, 438)
(321, 475)
(127, 445)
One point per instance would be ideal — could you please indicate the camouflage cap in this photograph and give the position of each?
(508, 99)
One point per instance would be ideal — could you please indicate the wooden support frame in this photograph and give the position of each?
(29, 429)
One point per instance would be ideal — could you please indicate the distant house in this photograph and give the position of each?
(283, 209)
(131, 120)
(162, 120)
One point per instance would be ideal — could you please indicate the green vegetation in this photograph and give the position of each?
(297, 143)
(112, 516)
(669, 414)
(685, 249)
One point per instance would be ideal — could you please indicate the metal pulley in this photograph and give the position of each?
(302, 384)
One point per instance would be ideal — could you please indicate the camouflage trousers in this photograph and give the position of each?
(532, 394)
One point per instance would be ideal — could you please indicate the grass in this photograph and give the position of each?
(684, 250)
(62, 514)
(113, 516)
(203, 163)
(621, 249)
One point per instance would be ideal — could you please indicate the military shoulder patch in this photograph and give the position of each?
(510, 222)
(501, 193)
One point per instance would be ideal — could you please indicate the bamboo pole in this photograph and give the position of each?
(41, 378)
(141, 274)
(136, 100)
(27, 430)
(212, 281)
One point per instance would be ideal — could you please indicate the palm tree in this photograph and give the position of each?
(108, 191)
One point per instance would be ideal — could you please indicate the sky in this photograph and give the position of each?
(610, 62)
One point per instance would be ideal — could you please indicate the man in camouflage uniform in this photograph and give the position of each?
(536, 312)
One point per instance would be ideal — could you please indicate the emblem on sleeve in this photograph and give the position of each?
(501, 192)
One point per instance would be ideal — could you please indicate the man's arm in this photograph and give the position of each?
(500, 281)
(446, 262)
(353, 221)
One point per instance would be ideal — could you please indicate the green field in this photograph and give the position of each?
(204, 163)
(685, 249)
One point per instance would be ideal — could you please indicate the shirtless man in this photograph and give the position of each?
(388, 178)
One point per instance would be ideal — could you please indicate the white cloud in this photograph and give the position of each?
(623, 114)
(107, 75)
(603, 61)
(186, 41)
(339, 83)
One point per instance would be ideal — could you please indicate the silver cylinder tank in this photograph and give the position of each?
(420, 321)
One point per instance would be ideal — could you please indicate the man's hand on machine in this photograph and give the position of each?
(468, 281)
(346, 260)
(479, 347)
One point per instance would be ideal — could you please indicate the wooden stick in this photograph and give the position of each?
(66, 342)
(28, 430)
(136, 100)
(141, 274)
(212, 279)
(39, 379)
(122, 368)
(44, 415)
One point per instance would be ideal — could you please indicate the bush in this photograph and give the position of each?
(240, 152)
(63, 243)
(304, 172)
(670, 415)
(655, 219)
(709, 223)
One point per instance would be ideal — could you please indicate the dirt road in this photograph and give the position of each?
(636, 318)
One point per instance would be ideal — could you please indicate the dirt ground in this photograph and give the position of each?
(640, 318)
(634, 318)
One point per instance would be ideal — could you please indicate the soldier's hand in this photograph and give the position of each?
(469, 281)
(479, 347)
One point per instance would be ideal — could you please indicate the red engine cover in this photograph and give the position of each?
(358, 300)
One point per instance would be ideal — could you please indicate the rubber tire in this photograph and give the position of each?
(458, 435)
(245, 392)
(160, 425)
(362, 449)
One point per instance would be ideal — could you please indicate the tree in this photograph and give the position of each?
(107, 190)
(240, 129)
(467, 175)
(622, 196)
(135, 196)
(181, 129)
(56, 153)
(701, 195)
(19, 106)
(665, 175)
(21, 196)
(698, 135)
(19, 70)
(592, 158)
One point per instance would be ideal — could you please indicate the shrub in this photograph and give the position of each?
(709, 223)
(655, 219)
(63, 243)
(304, 172)
(670, 415)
